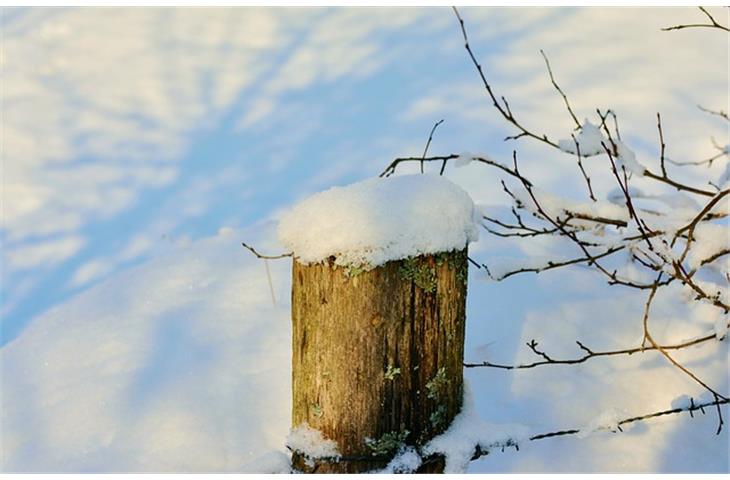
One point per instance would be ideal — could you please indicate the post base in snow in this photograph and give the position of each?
(301, 464)
(377, 356)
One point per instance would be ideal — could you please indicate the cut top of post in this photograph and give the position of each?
(369, 223)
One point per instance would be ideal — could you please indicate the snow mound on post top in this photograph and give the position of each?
(369, 223)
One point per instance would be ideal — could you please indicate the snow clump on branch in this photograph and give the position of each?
(592, 142)
(589, 141)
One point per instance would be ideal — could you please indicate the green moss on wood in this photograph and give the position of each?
(388, 443)
(353, 271)
(437, 384)
(438, 416)
(420, 273)
(391, 372)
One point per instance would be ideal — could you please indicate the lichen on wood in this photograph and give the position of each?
(378, 354)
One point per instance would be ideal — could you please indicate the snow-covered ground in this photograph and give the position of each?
(180, 364)
(133, 340)
(183, 364)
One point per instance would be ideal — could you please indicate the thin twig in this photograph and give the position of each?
(524, 132)
(265, 257)
(560, 91)
(590, 354)
(503, 110)
(271, 285)
(719, 113)
(615, 123)
(707, 161)
(662, 145)
(557, 264)
(648, 337)
(428, 143)
(713, 23)
(626, 421)
(582, 170)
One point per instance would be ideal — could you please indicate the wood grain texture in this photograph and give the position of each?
(378, 354)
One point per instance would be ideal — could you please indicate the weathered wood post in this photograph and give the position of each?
(378, 353)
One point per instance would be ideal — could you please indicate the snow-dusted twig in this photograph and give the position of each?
(507, 114)
(689, 229)
(693, 407)
(626, 421)
(482, 450)
(662, 242)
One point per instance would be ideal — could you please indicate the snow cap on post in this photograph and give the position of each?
(372, 222)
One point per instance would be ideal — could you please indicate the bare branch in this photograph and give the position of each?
(428, 144)
(390, 169)
(719, 113)
(692, 408)
(557, 264)
(713, 23)
(615, 123)
(590, 354)
(555, 84)
(648, 337)
(582, 170)
(503, 110)
(524, 132)
(708, 161)
(679, 186)
(482, 450)
(661, 144)
(624, 185)
(265, 257)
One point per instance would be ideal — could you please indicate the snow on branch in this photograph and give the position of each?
(469, 438)
(678, 236)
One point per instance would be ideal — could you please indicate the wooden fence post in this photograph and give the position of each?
(377, 356)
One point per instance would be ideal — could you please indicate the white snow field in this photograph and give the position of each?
(180, 364)
(183, 364)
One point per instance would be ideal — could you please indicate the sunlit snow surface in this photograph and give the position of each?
(183, 364)
(180, 364)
